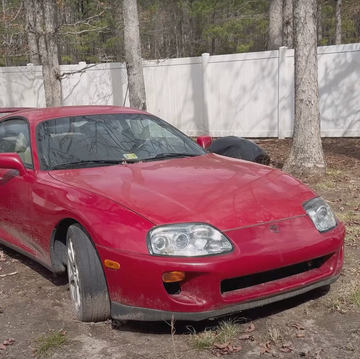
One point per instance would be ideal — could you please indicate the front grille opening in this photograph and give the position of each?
(229, 285)
(172, 288)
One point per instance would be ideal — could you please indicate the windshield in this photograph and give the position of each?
(97, 140)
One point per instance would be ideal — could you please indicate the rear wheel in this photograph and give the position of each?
(87, 283)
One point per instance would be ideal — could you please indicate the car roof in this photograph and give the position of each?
(36, 115)
(12, 109)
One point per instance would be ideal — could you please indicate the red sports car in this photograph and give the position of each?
(148, 224)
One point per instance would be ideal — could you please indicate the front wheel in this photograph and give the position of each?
(87, 283)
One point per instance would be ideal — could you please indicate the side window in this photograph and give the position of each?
(15, 137)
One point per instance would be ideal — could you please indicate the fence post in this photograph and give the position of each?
(282, 73)
(205, 84)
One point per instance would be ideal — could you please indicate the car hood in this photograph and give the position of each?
(225, 192)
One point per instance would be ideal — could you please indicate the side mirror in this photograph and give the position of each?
(12, 161)
(204, 141)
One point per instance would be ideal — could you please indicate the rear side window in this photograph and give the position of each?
(15, 137)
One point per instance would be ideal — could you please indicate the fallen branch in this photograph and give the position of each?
(7, 275)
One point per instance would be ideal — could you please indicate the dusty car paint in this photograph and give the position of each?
(118, 205)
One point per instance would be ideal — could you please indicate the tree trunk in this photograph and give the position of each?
(338, 22)
(46, 28)
(30, 16)
(275, 24)
(51, 24)
(306, 155)
(319, 22)
(288, 24)
(137, 95)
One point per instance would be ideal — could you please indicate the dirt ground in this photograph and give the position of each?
(315, 325)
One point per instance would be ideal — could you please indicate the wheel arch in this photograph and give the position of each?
(58, 243)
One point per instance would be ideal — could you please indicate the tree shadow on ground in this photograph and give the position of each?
(349, 147)
(335, 149)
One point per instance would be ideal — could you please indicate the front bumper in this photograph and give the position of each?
(125, 312)
(259, 271)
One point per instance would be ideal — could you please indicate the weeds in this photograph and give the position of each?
(346, 297)
(203, 340)
(355, 297)
(333, 172)
(274, 335)
(225, 332)
(49, 342)
(324, 185)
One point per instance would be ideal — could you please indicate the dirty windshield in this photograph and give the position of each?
(97, 140)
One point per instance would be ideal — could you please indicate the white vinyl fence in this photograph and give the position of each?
(249, 95)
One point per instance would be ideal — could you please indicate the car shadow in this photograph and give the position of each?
(58, 280)
(186, 327)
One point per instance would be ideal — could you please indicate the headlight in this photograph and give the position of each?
(321, 214)
(187, 240)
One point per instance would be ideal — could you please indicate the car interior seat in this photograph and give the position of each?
(22, 148)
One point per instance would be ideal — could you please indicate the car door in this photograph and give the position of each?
(15, 190)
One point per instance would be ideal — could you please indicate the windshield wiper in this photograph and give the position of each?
(115, 162)
(86, 162)
(169, 155)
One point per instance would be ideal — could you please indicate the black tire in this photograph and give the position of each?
(87, 283)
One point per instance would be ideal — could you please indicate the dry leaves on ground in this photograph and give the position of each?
(6, 343)
(250, 328)
(247, 337)
(286, 348)
(225, 349)
(266, 348)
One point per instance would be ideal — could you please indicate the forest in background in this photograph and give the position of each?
(92, 30)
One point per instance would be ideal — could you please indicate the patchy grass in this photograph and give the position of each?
(203, 340)
(348, 215)
(346, 298)
(334, 172)
(225, 332)
(324, 185)
(355, 297)
(274, 335)
(49, 342)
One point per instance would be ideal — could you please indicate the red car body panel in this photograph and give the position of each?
(138, 283)
(118, 205)
(225, 192)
